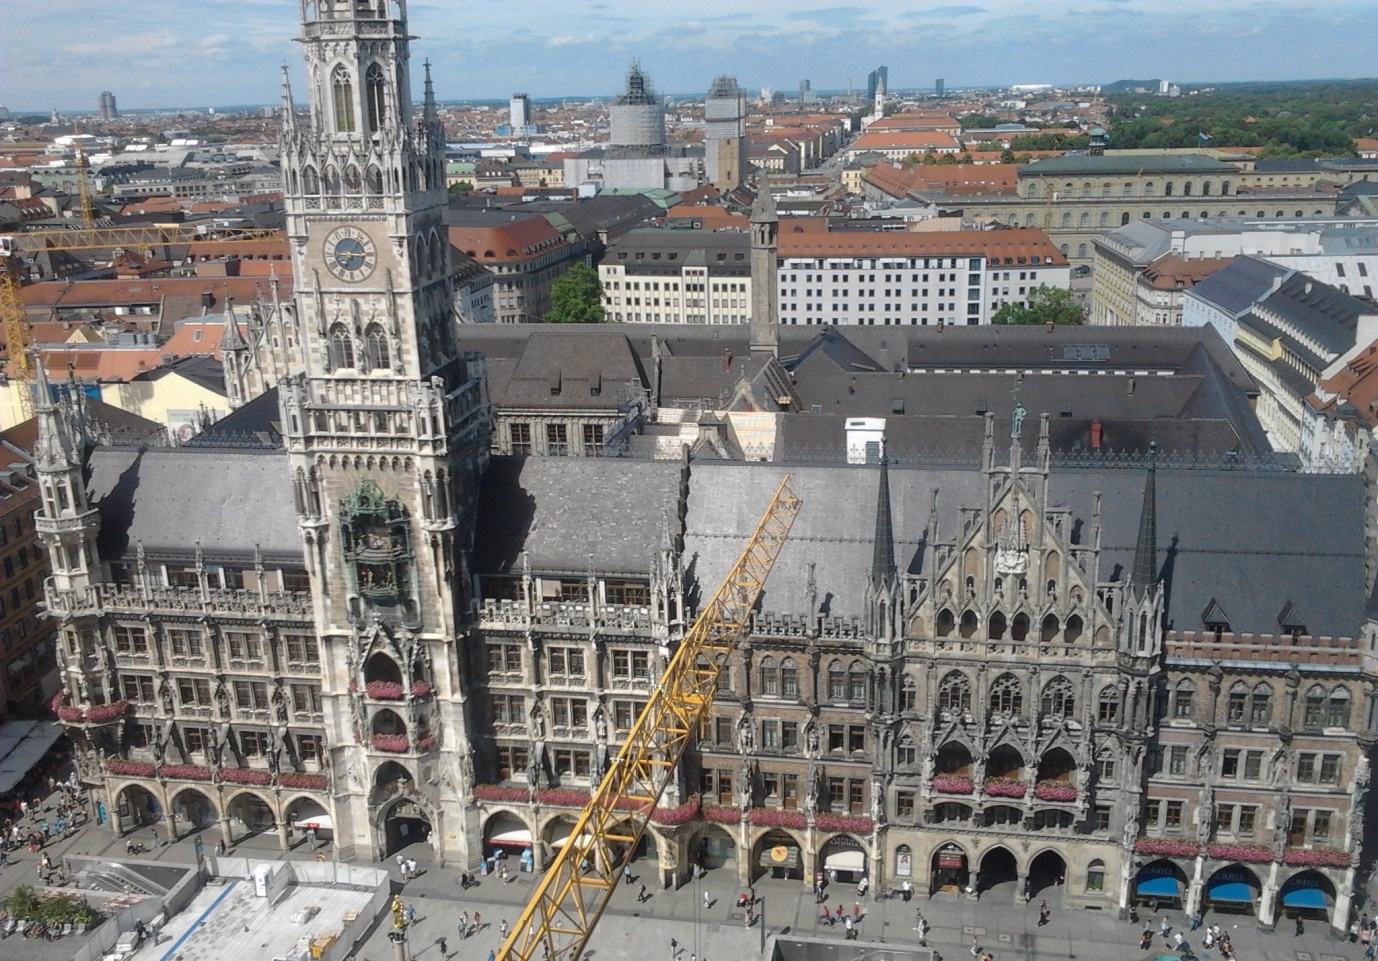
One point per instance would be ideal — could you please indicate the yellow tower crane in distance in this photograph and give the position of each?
(564, 909)
(12, 314)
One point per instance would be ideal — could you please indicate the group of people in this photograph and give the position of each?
(841, 917)
(33, 823)
(1366, 933)
(1213, 938)
(407, 867)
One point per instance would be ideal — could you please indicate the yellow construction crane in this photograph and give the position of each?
(12, 313)
(565, 907)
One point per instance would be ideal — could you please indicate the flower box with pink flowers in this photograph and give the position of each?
(1246, 853)
(1055, 791)
(771, 818)
(838, 822)
(304, 782)
(384, 690)
(1316, 857)
(131, 768)
(1167, 847)
(392, 743)
(185, 772)
(1006, 787)
(245, 775)
(677, 815)
(421, 688)
(722, 815)
(953, 784)
(563, 797)
(500, 792)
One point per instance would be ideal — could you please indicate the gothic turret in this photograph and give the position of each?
(765, 273)
(1141, 617)
(883, 594)
(68, 523)
(235, 358)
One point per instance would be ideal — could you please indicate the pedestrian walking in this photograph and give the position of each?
(411, 914)
(975, 947)
(1301, 928)
(1042, 913)
(674, 949)
(856, 909)
(1178, 940)
(478, 922)
(627, 874)
(1196, 920)
(641, 895)
(411, 868)
(444, 948)
(464, 925)
(707, 900)
(1145, 939)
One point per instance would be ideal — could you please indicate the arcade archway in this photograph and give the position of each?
(777, 854)
(137, 806)
(1047, 875)
(999, 869)
(1160, 883)
(844, 859)
(194, 809)
(404, 825)
(949, 871)
(250, 814)
(714, 849)
(1233, 889)
(1309, 895)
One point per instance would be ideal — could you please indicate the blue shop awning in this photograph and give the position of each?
(1236, 891)
(1160, 886)
(1304, 898)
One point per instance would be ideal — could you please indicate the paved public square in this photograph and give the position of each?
(718, 932)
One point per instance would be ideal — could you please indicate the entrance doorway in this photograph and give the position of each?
(406, 824)
(999, 876)
(949, 870)
(1047, 875)
(715, 849)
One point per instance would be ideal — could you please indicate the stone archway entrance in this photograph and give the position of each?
(404, 825)
(306, 814)
(250, 814)
(999, 876)
(1047, 875)
(714, 849)
(949, 871)
(137, 806)
(778, 855)
(192, 808)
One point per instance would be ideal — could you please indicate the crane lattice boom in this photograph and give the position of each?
(565, 907)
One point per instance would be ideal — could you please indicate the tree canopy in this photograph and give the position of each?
(576, 297)
(1046, 305)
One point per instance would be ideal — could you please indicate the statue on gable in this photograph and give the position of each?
(1012, 554)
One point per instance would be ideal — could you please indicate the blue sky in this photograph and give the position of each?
(164, 53)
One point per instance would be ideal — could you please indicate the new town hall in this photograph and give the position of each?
(1100, 680)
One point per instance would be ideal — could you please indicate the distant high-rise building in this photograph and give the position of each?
(108, 110)
(521, 110)
(877, 79)
(4, 112)
(724, 114)
(939, 86)
(637, 119)
(806, 94)
(1163, 87)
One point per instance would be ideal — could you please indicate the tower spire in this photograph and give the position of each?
(883, 560)
(289, 111)
(54, 449)
(1146, 548)
(765, 271)
(428, 108)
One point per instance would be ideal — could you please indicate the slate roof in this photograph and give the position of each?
(170, 499)
(1304, 539)
(563, 510)
(1233, 289)
(1131, 164)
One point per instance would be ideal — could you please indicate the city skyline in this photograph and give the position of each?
(214, 52)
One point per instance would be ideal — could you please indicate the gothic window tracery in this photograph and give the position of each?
(1050, 628)
(376, 347)
(1261, 704)
(377, 544)
(353, 182)
(374, 179)
(375, 96)
(909, 694)
(954, 692)
(341, 348)
(1059, 698)
(837, 682)
(310, 181)
(1183, 698)
(944, 623)
(1108, 705)
(1337, 708)
(789, 678)
(856, 682)
(342, 96)
(770, 677)
(1007, 695)
(1073, 632)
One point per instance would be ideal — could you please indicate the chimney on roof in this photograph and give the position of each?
(727, 361)
(1306, 289)
(1277, 281)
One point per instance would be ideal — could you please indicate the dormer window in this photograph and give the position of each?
(1291, 621)
(1216, 620)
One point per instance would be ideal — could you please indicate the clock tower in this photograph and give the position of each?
(386, 426)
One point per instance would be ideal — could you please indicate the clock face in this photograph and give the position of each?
(349, 254)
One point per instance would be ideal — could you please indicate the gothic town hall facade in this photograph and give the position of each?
(1005, 678)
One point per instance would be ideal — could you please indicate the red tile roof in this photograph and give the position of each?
(515, 240)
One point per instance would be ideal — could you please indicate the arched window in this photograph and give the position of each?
(1237, 707)
(1073, 632)
(945, 623)
(1183, 698)
(906, 752)
(1028, 220)
(1084, 220)
(1081, 250)
(1095, 876)
(1086, 190)
(1337, 708)
(1108, 705)
(1124, 218)
(1067, 220)
(770, 677)
(789, 678)
(310, 183)
(342, 94)
(1105, 218)
(1186, 189)
(1224, 188)
(353, 182)
(954, 692)
(1065, 248)
(837, 682)
(1313, 711)
(374, 179)
(1206, 189)
(1127, 190)
(341, 348)
(1105, 190)
(1167, 191)
(1059, 699)
(376, 345)
(1007, 695)
(856, 682)
(1033, 190)
(1261, 707)
(909, 694)
(375, 98)
(1148, 189)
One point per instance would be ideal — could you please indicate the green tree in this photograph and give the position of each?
(576, 298)
(461, 187)
(1047, 305)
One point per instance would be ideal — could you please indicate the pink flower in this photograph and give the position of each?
(392, 743)
(307, 782)
(835, 822)
(185, 772)
(1006, 787)
(384, 690)
(421, 688)
(245, 775)
(563, 797)
(722, 815)
(1055, 791)
(130, 768)
(1248, 853)
(953, 784)
(771, 818)
(499, 792)
(677, 815)
(1172, 847)
(1316, 857)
